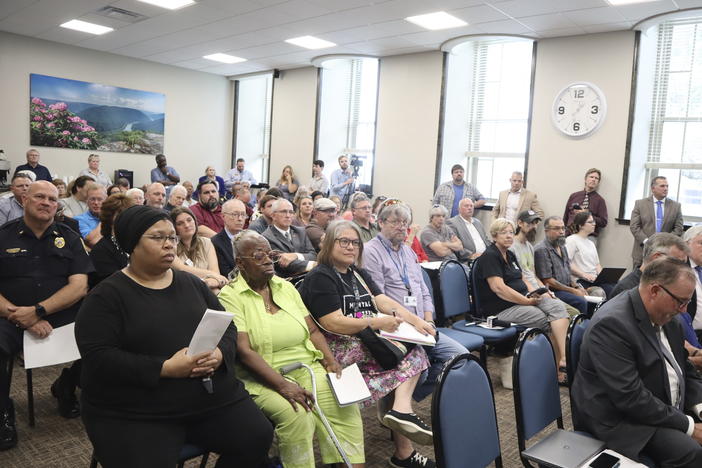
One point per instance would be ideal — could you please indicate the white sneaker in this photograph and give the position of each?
(505, 366)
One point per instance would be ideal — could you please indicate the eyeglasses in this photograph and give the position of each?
(681, 303)
(555, 228)
(236, 214)
(287, 212)
(259, 256)
(506, 233)
(398, 223)
(163, 239)
(344, 242)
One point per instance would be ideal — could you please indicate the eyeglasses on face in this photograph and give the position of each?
(681, 302)
(260, 256)
(398, 222)
(287, 212)
(163, 239)
(345, 242)
(236, 214)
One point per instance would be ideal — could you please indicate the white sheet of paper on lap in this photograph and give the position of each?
(594, 299)
(209, 331)
(431, 265)
(57, 348)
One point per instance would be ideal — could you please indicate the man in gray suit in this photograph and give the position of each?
(469, 230)
(634, 384)
(298, 254)
(653, 214)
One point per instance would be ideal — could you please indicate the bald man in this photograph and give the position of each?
(155, 195)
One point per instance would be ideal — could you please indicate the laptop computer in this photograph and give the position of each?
(564, 449)
(609, 275)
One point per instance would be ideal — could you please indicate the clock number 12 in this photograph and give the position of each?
(578, 93)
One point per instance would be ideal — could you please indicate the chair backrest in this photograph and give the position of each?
(574, 339)
(463, 416)
(537, 400)
(473, 280)
(454, 289)
(427, 281)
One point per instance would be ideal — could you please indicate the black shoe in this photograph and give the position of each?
(413, 461)
(8, 431)
(409, 425)
(65, 391)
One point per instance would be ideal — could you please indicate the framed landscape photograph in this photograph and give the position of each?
(76, 114)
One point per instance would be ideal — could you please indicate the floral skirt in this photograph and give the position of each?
(349, 350)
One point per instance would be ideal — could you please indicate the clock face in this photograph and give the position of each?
(579, 109)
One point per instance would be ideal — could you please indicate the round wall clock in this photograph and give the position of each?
(579, 109)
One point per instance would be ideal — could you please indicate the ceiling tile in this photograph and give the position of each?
(689, 3)
(504, 27)
(598, 28)
(231, 7)
(8, 8)
(559, 32)
(639, 11)
(479, 14)
(437, 37)
(543, 22)
(591, 16)
(520, 8)
(568, 5)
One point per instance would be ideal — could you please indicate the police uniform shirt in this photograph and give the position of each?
(32, 270)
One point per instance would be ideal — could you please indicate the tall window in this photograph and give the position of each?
(347, 113)
(486, 111)
(253, 123)
(667, 132)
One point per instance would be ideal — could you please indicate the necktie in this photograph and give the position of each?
(659, 215)
(287, 236)
(674, 364)
(698, 269)
(586, 202)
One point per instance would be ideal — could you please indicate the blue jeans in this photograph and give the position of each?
(445, 349)
(574, 300)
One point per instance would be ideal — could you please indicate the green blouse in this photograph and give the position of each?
(250, 317)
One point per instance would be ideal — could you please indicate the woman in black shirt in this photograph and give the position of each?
(143, 397)
(106, 256)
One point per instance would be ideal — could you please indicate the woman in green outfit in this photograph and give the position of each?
(275, 329)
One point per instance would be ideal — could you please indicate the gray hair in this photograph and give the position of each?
(667, 270)
(548, 220)
(358, 198)
(398, 210)
(276, 204)
(134, 191)
(438, 210)
(662, 243)
(238, 242)
(691, 233)
(178, 188)
(518, 173)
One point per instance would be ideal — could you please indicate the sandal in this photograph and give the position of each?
(562, 376)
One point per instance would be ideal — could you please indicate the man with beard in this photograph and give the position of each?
(469, 230)
(341, 179)
(155, 195)
(588, 200)
(208, 212)
(553, 266)
(450, 193)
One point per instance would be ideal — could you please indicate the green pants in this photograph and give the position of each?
(295, 430)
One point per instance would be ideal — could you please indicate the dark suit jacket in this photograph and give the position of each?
(643, 223)
(621, 387)
(225, 252)
(300, 244)
(458, 226)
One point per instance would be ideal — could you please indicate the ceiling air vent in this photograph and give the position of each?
(120, 14)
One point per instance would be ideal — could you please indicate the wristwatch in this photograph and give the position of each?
(40, 311)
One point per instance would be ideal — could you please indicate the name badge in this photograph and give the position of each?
(409, 301)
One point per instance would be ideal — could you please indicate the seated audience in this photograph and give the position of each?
(61, 186)
(324, 213)
(265, 210)
(302, 191)
(123, 184)
(412, 230)
(693, 238)
(93, 171)
(304, 209)
(208, 211)
(244, 196)
(515, 200)
(438, 240)
(337, 200)
(553, 265)
(76, 204)
(582, 253)
(140, 388)
(297, 254)
(136, 194)
(12, 207)
(288, 183)
(588, 199)
(40, 172)
(106, 255)
(195, 251)
(634, 387)
(176, 198)
(503, 292)
(234, 214)
(89, 222)
(274, 330)
(155, 195)
(189, 200)
(469, 230)
(164, 173)
(112, 189)
(211, 175)
(344, 300)
(317, 194)
(238, 174)
(360, 207)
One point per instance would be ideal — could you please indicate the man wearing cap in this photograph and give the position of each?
(469, 230)
(324, 212)
(450, 193)
(515, 200)
(43, 277)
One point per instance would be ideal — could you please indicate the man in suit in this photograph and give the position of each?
(469, 230)
(516, 200)
(234, 214)
(656, 213)
(634, 384)
(693, 238)
(298, 255)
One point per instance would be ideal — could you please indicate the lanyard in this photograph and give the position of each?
(403, 273)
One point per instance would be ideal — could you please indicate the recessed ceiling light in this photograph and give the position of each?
(627, 2)
(84, 26)
(224, 58)
(310, 42)
(436, 20)
(170, 4)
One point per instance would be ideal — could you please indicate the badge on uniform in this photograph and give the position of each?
(13, 250)
(409, 301)
(60, 242)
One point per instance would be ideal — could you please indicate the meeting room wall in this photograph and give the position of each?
(199, 107)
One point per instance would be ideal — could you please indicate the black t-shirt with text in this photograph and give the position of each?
(325, 291)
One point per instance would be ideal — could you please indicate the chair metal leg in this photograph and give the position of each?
(30, 397)
(483, 356)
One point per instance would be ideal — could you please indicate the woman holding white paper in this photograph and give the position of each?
(143, 396)
(274, 330)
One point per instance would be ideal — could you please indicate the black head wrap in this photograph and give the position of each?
(133, 222)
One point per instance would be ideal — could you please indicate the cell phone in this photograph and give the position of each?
(605, 460)
(537, 292)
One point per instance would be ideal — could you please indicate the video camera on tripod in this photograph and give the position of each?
(356, 161)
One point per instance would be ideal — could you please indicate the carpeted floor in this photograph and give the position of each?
(59, 443)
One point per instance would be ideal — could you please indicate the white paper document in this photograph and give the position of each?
(59, 347)
(594, 299)
(350, 388)
(431, 265)
(209, 331)
(407, 333)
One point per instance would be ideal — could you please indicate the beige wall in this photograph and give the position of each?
(199, 107)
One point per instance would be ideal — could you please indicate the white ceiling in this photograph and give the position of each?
(256, 29)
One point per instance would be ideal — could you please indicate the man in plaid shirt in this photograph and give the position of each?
(450, 193)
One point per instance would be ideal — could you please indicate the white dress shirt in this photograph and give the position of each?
(477, 240)
(512, 205)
